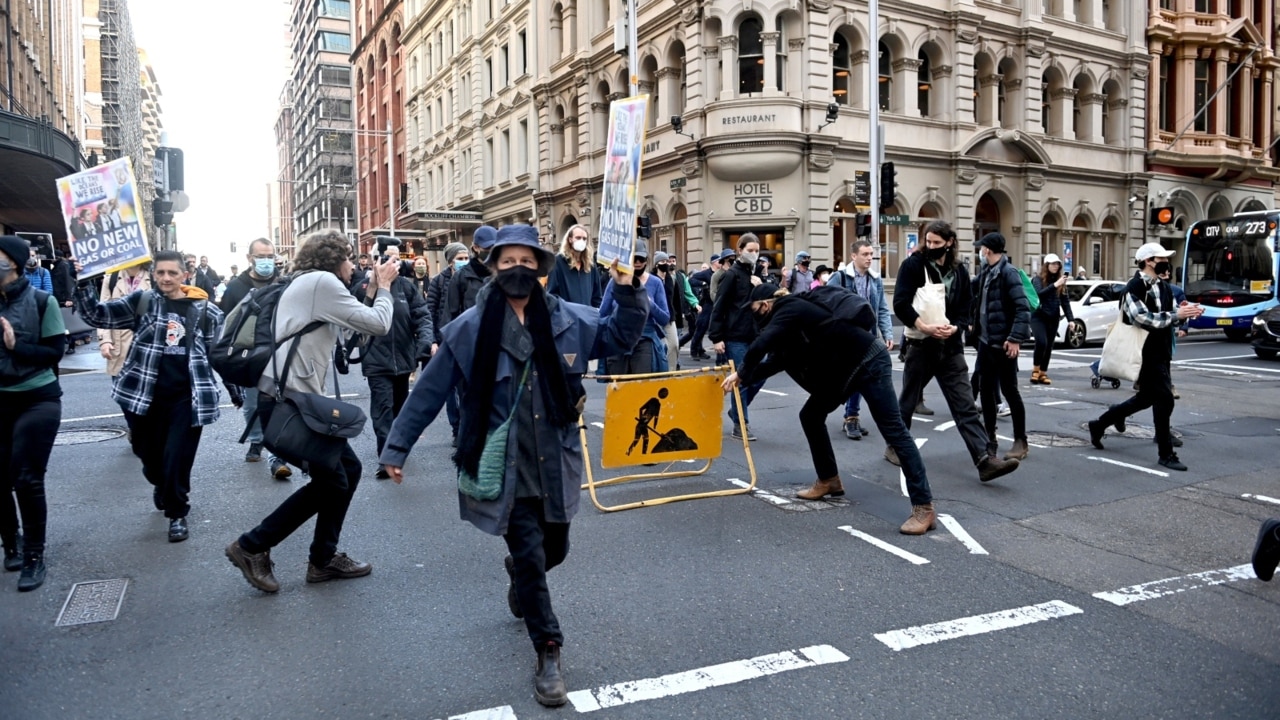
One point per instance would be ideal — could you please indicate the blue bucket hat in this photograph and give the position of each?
(525, 235)
(484, 237)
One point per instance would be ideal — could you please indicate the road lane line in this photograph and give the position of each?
(1031, 444)
(1263, 498)
(1139, 468)
(775, 499)
(902, 476)
(704, 678)
(598, 424)
(92, 417)
(976, 625)
(917, 418)
(1186, 361)
(894, 549)
(1170, 586)
(773, 392)
(946, 426)
(965, 538)
(1055, 402)
(499, 713)
(1244, 368)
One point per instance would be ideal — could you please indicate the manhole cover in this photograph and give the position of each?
(1132, 430)
(80, 436)
(1057, 440)
(92, 602)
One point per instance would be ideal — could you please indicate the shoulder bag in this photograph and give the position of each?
(1122, 351)
(487, 483)
(930, 303)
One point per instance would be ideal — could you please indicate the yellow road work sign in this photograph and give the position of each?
(661, 420)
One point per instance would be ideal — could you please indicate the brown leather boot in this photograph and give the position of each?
(1019, 451)
(993, 467)
(922, 520)
(822, 488)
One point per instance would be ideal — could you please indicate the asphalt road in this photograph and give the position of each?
(735, 607)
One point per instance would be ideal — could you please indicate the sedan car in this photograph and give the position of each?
(1266, 333)
(1095, 304)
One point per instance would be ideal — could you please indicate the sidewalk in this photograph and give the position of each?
(85, 360)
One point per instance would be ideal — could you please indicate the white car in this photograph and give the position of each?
(1095, 304)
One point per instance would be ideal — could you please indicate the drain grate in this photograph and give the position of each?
(82, 436)
(1057, 440)
(92, 602)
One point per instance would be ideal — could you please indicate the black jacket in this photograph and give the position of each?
(409, 341)
(436, 290)
(64, 281)
(1053, 304)
(207, 280)
(239, 286)
(805, 340)
(1157, 349)
(463, 288)
(1008, 311)
(959, 298)
(700, 284)
(731, 319)
(677, 303)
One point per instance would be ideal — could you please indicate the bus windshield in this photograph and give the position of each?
(1232, 257)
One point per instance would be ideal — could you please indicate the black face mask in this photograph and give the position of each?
(1163, 267)
(664, 268)
(517, 282)
(480, 254)
(935, 254)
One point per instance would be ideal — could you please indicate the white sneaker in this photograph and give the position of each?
(1004, 410)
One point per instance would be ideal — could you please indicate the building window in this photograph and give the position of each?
(841, 70)
(1201, 96)
(488, 162)
(886, 75)
(488, 76)
(506, 155)
(1232, 97)
(335, 75)
(924, 84)
(524, 53)
(504, 65)
(335, 8)
(780, 55)
(332, 109)
(750, 56)
(1046, 103)
(522, 148)
(335, 142)
(333, 42)
(1207, 6)
(1168, 67)
(1166, 4)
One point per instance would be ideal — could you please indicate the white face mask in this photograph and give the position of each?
(579, 245)
(748, 257)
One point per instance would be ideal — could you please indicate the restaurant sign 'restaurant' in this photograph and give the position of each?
(748, 119)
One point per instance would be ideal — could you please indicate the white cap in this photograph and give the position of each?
(1151, 250)
(1051, 258)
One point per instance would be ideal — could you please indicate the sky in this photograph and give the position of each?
(221, 72)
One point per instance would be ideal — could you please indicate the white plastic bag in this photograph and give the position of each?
(1122, 352)
(930, 303)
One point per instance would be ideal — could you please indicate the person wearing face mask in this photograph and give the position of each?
(575, 277)
(800, 279)
(1051, 285)
(733, 327)
(649, 354)
(1148, 303)
(456, 257)
(1001, 322)
(420, 275)
(936, 350)
(468, 280)
(33, 340)
(700, 284)
(39, 278)
(519, 357)
(262, 271)
(680, 301)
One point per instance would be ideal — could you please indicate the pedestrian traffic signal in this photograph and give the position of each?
(173, 164)
(888, 185)
(863, 224)
(644, 227)
(1161, 215)
(162, 211)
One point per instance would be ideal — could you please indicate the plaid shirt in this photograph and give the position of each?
(1139, 312)
(135, 386)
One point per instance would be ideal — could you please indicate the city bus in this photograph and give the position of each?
(1230, 267)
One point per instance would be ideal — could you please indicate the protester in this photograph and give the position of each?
(34, 340)
(831, 354)
(859, 279)
(167, 387)
(576, 277)
(700, 284)
(733, 327)
(316, 293)
(800, 279)
(468, 280)
(519, 357)
(1148, 303)
(1001, 323)
(263, 270)
(680, 303)
(1051, 287)
(39, 277)
(649, 354)
(205, 277)
(936, 350)
(456, 257)
(114, 344)
(421, 276)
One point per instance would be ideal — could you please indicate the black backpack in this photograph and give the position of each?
(246, 345)
(843, 305)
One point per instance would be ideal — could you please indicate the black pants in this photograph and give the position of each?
(997, 370)
(326, 497)
(536, 546)
(927, 360)
(700, 328)
(1046, 331)
(639, 362)
(166, 442)
(27, 431)
(1155, 391)
(387, 394)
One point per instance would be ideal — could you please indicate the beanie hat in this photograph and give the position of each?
(451, 251)
(17, 249)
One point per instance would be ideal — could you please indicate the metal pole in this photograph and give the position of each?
(632, 60)
(392, 204)
(873, 150)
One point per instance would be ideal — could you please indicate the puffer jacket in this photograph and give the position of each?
(1008, 314)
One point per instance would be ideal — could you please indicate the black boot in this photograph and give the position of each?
(548, 683)
(32, 575)
(13, 554)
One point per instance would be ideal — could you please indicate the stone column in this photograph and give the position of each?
(729, 64)
(710, 70)
(906, 73)
(986, 112)
(1219, 109)
(1091, 117)
(668, 92)
(859, 96)
(570, 33)
(1062, 103)
(770, 42)
(1244, 81)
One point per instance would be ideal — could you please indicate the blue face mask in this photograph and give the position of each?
(459, 264)
(264, 267)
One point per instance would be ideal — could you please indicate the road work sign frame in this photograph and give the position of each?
(671, 417)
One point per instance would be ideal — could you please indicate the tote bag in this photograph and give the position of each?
(930, 303)
(1122, 351)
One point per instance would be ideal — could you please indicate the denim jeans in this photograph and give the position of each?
(737, 352)
(536, 546)
(875, 381)
(853, 405)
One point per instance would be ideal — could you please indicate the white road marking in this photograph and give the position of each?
(1139, 468)
(917, 418)
(1263, 498)
(776, 500)
(946, 426)
(1055, 402)
(965, 538)
(598, 424)
(976, 625)
(1009, 439)
(1245, 368)
(1173, 585)
(92, 417)
(499, 713)
(902, 476)
(703, 678)
(910, 557)
(1185, 361)
(773, 392)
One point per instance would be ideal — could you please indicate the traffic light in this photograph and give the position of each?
(644, 227)
(163, 212)
(862, 224)
(1161, 215)
(888, 185)
(174, 163)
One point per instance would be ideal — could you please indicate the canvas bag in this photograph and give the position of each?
(1122, 351)
(930, 303)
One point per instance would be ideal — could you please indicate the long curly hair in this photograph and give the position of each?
(325, 250)
(1046, 281)
(579, 260)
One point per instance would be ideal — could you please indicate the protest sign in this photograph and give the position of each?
(100, 207)
(617, 230)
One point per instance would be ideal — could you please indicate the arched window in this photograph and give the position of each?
(841, 70)
(885, 71)
(750, 56)
(924, 84)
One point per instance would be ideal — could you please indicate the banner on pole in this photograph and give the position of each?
(617, 230)
(104, 222)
